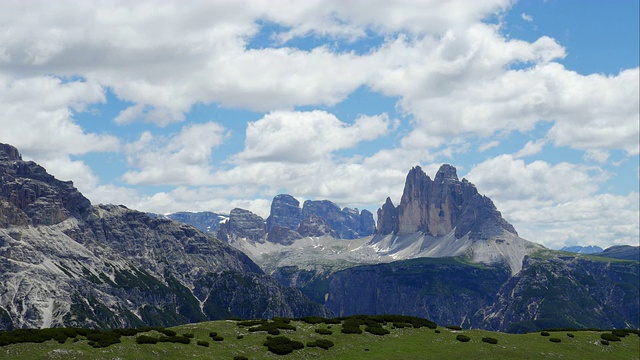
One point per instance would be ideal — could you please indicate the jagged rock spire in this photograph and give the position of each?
(437, 207)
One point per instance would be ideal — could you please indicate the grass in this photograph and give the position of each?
(401, 343)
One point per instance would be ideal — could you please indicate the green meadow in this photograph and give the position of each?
(402, 341)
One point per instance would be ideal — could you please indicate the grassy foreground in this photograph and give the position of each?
(400, 343)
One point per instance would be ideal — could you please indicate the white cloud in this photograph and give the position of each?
(557, 204)
(183, 158)
(598, 156)
(307, 136)
(526, 17)
(531, 148)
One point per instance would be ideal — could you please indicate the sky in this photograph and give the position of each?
(168, 106)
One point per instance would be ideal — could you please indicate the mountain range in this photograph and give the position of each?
(444, 252)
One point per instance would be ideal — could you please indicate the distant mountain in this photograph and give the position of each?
(624, 252)
(64, 262)
(288, 222)
(582, 249)
(440, 218)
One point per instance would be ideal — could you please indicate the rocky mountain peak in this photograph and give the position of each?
(440, 206)
(446, 173)
(9, 153)
(31, 196)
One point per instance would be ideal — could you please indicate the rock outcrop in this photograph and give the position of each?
(437, 207)
(285, 212)
(65, 262)
(288, 222)
(243, 224)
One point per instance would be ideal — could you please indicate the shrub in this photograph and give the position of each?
(545, 333)
(324, 343)
(312, 344)
(462, 338)
(609, 337)
(620, 333)
(324, 331)
(604, 342)
(351, 327)
(454, 327)
(239, 336)
(188, 335)
(437, 331)
(272, 331)
(570, 335)
(101, 340)
(555, 340)
(203, 343)
(217, 338)
(376, 330)
(213, 334)
(144, 339)
(168, 332)
(282, 345)
(175, 339)
(240, 357)
(489, 340)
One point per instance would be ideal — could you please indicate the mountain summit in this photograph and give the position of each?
(437, 207)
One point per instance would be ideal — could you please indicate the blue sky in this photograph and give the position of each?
(167, 107)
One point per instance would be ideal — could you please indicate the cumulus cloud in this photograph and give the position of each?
(531, 148)
(307, 136)
(557, 204)
(183, 158)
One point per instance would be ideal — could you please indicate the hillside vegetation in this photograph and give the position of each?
(357, 337)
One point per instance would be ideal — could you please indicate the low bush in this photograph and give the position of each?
(217, 338)
(454, 327)
(570, 335)
(490, 340)
(545, 333)
(188, 335)
(240, 337)
(174, 339)
(462, 338)
(312, 344)
(168, 332)
(203, 343)
(144, 339)
(555, 340)
(213, 334)
(103, 339)
(376, 330)
(324, 343)
(324, 331)
(620, 333)
(604, 342)
(282, 345)
(609, 337)
(437, 331)
(351, 326)
(240, 357)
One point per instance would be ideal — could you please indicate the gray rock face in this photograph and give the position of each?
(553, 291)
(436, 207)
(285, 212)
(288, 222)
(566, 291)
(30, 196)
(347, 223)
(243, 224)
(624, 252)
(66, 263)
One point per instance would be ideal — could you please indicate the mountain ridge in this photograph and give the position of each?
(67, 263)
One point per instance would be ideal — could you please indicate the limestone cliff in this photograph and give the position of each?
(437, 207)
